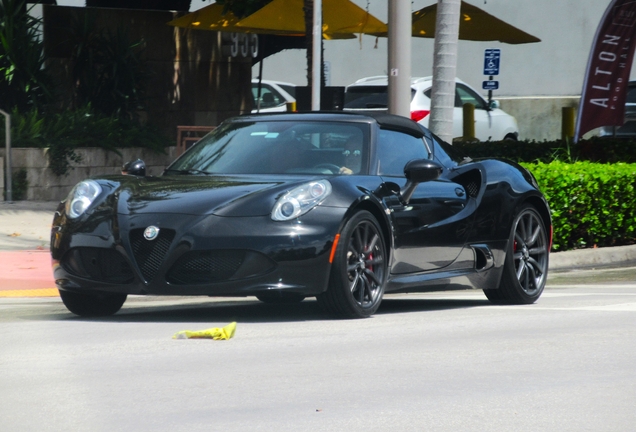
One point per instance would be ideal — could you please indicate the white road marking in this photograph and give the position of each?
(623, 307)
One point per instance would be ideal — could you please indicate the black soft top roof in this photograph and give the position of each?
(384, 120)
(397, 123)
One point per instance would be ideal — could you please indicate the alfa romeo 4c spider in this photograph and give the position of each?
(343, 207)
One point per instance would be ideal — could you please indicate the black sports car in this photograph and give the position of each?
(344, 207)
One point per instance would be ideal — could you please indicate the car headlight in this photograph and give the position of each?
(300, 200)
(81, 197)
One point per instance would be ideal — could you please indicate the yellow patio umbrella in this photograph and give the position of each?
(212, 18)
(339, 19)
(475, 24)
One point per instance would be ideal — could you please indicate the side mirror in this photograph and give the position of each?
(419, 171)
(136, 168)
(494, 104)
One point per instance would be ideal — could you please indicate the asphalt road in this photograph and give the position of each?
(445, 362)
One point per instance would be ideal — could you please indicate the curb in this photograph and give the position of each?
(617, 256)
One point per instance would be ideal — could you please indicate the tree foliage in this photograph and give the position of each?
(108, 70)
(24, 82)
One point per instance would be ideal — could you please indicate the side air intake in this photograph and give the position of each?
(484, 258)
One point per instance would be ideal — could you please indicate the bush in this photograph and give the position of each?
(601, 150)
(592, 204)
(589, 186)
(63, 132)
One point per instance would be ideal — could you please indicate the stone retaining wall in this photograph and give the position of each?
(44, 185)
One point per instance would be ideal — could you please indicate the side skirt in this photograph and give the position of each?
(482, 270)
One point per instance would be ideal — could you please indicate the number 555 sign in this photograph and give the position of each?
(239, 44)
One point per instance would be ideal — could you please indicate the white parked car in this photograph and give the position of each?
(274, 96)
(491, 123)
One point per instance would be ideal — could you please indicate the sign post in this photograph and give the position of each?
(7, 143)
(491, 68)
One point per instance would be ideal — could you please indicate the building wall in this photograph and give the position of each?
(541, 76)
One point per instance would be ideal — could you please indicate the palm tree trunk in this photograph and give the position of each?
(444, 68)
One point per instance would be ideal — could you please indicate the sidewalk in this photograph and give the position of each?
(25, 263)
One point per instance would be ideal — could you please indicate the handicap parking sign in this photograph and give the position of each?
(491, 61)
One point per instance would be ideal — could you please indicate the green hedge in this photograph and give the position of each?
(602, 150)
(593, 205)
(590, 186)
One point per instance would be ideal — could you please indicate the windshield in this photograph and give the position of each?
(365, 97)
(278, 147)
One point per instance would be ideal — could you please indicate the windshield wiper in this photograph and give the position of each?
(187, 172)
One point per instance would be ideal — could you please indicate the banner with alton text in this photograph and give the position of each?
(608, 69)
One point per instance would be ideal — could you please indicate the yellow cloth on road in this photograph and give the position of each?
(215, 333)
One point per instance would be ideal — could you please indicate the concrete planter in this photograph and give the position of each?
(43, 185)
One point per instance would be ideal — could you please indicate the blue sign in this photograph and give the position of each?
(491, 61)
(490, 85)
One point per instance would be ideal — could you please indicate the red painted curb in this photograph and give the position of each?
(25, 270)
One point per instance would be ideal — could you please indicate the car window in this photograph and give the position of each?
(279, 147)
(395, 149)
(368, 97)
(269, 96)
(464, 95)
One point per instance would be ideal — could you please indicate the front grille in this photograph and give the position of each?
(98, 264)
(149, 254)
(203, 267)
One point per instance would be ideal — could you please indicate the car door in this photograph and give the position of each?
(429, 232)
(483, 118)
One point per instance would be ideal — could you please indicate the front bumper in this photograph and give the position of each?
(194, 255)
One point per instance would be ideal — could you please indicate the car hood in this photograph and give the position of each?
(200, 195)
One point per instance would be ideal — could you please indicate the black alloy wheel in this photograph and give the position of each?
(93, 304)
(359, 270)
(526, 267)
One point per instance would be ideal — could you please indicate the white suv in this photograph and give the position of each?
(491, 123)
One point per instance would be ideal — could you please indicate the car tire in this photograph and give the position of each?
(278, 297)
(94, 304)
(359, 270)
(526, 265)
